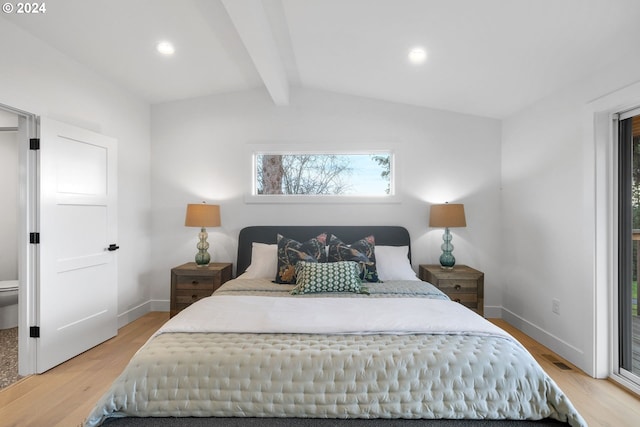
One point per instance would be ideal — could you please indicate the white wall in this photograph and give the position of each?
(548, 207)
(41, 80)
(9, 209)
(201, 152)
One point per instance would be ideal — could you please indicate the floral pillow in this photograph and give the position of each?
(341, 276)
(362, 252)
(291, 251)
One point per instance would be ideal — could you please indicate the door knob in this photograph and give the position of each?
(113, 247)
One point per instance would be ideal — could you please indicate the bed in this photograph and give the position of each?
(348, 337)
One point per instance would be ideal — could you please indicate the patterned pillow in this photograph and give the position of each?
(291, 251)
(342, 276)
(362, 252)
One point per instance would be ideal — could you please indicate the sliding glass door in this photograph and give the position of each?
(629, 245)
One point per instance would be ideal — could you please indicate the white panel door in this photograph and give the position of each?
(77, 289)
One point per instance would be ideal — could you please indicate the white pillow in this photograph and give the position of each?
(392, 263)
(264, 262)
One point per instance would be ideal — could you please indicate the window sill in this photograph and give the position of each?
(315, 199)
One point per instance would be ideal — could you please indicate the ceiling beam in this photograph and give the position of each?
(250, 20)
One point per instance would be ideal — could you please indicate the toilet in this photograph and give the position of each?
(8, 304)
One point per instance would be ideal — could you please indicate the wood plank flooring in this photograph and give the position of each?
(64, 396)
(600, 402)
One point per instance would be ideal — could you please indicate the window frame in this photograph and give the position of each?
(599, 125)
(255, 149)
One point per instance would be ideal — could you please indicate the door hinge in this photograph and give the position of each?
(34, 144)
(34, 238)
(34, 331)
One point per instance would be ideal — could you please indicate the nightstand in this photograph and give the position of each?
(462, 284)
(189, 283)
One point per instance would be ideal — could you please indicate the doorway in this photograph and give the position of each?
(9, 283)
(67, 193)
(25, 128)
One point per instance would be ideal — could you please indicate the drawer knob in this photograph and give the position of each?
(457, 287)
(194, 297)
(457, 300)
(194, 282)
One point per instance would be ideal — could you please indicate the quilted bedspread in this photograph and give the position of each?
(424, 370)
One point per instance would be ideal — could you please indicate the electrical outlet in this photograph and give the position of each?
(555, 306)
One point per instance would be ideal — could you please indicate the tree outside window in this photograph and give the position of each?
(324, 174)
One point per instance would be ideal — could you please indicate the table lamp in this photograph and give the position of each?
(447, 215)
(202, 215)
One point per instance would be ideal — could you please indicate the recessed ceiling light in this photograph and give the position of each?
(417, 55)
(165, 48)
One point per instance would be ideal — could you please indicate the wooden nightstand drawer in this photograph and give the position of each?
(189, 283)
(195, 282)
(469, 300)
(461, 284)
(191, 296)
(458, 286)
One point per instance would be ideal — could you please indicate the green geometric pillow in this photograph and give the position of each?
(342, 276)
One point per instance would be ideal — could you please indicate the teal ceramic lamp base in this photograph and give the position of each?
(202, 257)
(447, 215)
(447, 260)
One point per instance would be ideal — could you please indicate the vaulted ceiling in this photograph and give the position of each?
(484, 57)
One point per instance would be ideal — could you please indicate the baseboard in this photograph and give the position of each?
(492, 312)
(133, 314)
(552, 342)
(140, 310)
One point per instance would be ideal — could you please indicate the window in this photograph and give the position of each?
(335, 174)
(629, 244)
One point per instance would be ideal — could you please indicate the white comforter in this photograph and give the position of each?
(259, 314)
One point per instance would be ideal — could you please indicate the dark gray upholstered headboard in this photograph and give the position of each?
(384, 236)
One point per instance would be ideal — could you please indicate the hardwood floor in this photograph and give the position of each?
(600, 402)
(65, 395)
